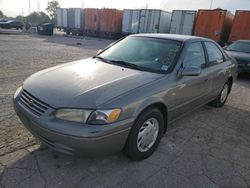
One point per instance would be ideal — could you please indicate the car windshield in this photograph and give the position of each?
(144, 53)
(239, 47)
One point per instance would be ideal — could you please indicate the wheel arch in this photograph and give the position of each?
(230, 80)
(159, 104)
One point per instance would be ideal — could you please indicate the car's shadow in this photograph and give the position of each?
(196, 145)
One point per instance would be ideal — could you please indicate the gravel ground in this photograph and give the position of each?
(208, 148)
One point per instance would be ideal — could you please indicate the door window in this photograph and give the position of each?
(215, 56)
(194, 56)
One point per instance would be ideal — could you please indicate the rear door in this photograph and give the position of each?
(219, 65)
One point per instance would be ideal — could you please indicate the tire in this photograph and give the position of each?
(133, 149)
(222, 97)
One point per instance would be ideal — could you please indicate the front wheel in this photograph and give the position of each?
(145, 135)
(222, 97)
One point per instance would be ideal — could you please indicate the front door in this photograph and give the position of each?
(191, 91)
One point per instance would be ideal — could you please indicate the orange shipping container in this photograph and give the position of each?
(110, 22)
(241, 26)
(214, 24)
(92, 21)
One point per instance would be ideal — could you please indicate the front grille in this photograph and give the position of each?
(35, 105)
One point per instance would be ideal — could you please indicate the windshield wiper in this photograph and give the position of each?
(99, 57)
(126, 64)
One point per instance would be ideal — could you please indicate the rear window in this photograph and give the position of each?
(239, 47)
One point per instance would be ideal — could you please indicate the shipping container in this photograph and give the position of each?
(130, 22)
(182, 22)
(92, 21)
(75, 21)
(110, 23)
(214, 24)
(241, 26)
(154, 21)
(62, 18)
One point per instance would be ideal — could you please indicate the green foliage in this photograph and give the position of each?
(36, 18)
(2, 14)
(51, 8)
(21, 18)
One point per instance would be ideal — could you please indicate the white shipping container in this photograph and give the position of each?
(154, 21)
(61, 17)
(75, 18)
(130, 22)
(182, 22)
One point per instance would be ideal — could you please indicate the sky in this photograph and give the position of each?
(21, 7)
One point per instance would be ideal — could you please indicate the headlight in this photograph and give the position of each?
(18, 92)
(100, 117)
(76, 115)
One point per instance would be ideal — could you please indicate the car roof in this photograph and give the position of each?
(176, 37)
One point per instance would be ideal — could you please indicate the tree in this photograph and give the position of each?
(36, 18)
(1, 14)
(21, 18)
(51, 8)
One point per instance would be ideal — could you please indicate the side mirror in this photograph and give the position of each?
(224, 47)
(99, 51)
(191, 71)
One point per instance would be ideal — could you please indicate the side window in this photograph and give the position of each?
(194, 56)
(215, 56)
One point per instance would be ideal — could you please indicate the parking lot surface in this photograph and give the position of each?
(209, 147)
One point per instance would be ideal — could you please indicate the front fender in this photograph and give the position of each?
(146, 103)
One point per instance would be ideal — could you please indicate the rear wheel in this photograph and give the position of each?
(145, 135)
(222, 97)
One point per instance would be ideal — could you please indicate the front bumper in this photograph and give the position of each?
(73, 138)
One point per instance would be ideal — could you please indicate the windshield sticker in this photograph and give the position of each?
(164, 67)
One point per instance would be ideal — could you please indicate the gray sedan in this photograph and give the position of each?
(125, 97)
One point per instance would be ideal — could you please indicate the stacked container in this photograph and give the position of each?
(154, 21)
(75, 21)
(182, 22)
(214, 24)
(130, 22)
(92, 21)
(62, 18)
(110, 23)
(241, 26)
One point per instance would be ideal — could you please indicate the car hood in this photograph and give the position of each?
(239, 56)
(85, 83)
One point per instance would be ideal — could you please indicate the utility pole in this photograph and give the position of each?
(82, 4)
(29, 7)
(22, 11)
(211, 4)
(38, 6)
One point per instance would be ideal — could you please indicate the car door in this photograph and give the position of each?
(191, 91)
(219, 66)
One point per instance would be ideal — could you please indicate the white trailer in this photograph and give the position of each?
(75, 21)
(182, 22)
(62, 18)
(154, 21)
(130, 22)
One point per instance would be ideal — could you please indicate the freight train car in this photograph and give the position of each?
(154, 21)
(214, 24)
(182, 22)
(130, 22)
(241, 26)
(62, 18)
